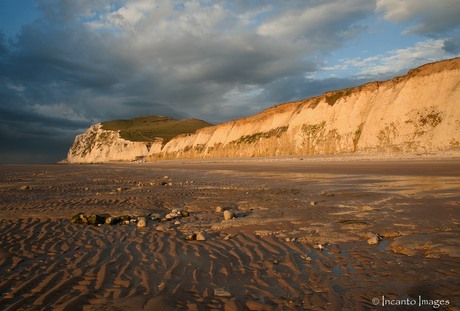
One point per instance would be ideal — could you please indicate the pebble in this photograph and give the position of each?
(176, 214)
(313, 203)
(201, 236)
(228, 215)
(25, 188)
(79, 218)
(374, 239)
(125, 219)
(319, 247)
(112, 220)
(141, 222)
(219, 209)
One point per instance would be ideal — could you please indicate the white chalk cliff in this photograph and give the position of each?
(415, 113)
(98, 145)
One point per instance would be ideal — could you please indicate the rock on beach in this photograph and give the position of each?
(201, 236)
(228, 215)
(141, 222)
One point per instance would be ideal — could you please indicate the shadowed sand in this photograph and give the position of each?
(299, 241)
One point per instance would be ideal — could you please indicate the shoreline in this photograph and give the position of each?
(442, 155)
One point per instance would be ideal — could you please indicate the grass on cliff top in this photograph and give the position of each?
(151, 127)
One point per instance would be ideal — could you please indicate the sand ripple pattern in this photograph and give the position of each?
(51, 265)
(48, 264)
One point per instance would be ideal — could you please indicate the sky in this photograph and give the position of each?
(67, 64)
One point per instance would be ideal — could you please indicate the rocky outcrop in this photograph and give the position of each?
(415, 113)
(98, 145)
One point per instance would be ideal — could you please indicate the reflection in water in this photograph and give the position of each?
(442, 186)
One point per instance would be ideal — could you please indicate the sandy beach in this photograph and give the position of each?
(307, 234)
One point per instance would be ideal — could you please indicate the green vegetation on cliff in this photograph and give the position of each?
(150, 128)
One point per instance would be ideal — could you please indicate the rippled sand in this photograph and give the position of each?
(299, 241)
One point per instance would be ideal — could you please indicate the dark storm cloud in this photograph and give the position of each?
(3, 46)
(29, 137)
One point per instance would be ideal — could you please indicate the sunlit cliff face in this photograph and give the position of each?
(416, 113)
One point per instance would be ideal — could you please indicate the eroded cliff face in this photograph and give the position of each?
(415, 113)
(97, 145)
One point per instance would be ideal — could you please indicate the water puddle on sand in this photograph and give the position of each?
(441, 186)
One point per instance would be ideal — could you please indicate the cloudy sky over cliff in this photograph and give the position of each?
(67, 64)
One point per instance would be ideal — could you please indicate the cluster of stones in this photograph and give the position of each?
(141, 221)
(200, 236)
(94, 219)
(175, 214)
(228, 214)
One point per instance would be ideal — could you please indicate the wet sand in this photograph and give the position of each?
(299, 241)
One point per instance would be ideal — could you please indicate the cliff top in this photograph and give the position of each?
(149, 128)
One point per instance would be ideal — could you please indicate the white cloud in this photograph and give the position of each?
(402, 59)
(392, 62)
(327, 18)
(428, 15)
(125, 16)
